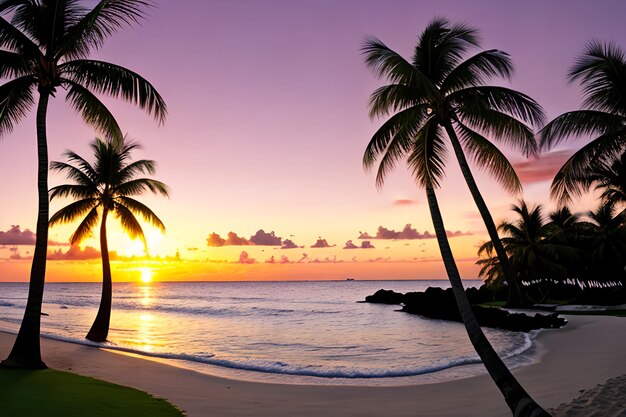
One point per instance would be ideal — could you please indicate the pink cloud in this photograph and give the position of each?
(543, 168)
(16, 236)
(407, 233)
(244, 258)
(404, 202)
(321, 243)
(75, 253)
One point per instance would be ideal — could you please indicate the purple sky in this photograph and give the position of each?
(268, 112)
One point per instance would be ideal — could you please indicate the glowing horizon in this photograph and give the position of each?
(267, 126)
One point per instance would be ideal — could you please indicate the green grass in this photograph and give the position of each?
(54, 393)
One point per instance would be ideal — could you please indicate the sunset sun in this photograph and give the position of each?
(145, 275)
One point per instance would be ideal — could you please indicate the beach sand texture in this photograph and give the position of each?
(587, 352)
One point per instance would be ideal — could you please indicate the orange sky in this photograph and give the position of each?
(266, 130)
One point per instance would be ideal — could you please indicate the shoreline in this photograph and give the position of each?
(569, 360)
(525, 355)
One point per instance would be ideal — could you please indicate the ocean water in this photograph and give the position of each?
(315, 329)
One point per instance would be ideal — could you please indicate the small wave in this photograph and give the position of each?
(282, 368)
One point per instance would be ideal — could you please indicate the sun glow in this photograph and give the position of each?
(145, 275)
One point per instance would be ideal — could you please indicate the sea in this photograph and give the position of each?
(313, 332)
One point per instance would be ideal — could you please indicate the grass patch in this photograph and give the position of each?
(53, 393)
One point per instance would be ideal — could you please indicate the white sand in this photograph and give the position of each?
(585, 353)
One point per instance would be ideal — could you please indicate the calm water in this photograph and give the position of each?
(314, 329)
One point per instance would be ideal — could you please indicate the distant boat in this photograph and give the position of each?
(349, 279)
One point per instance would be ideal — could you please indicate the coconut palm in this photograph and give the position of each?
(428, 96)
(44, 48)
(609, 177)
(439, 90)
(103, 188)
(606, 244)
(537, 250)
(601, 70)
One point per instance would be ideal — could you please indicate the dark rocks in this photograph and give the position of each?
(437, 303)
(385, 297)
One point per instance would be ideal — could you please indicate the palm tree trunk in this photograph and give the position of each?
(100, 327)
(26, 352)
(516, 295)
(520, 403)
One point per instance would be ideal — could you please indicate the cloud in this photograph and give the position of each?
(15, 236)
(543, 168)
(366, 244)
(244, 258)
(404, 202)
(321, 243)
(260, 238)
(407, 233)
(215, 240)
(289, 244)
(265, 239)
(234, 240)
(75, 253)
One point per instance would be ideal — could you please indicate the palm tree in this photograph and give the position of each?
(43, 48)
(601, 70)
(606, 244)
(423, 108)
(609, 177)
(537, 250)
(104, 188)
(439, 90)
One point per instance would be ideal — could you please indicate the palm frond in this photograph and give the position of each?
(93, 111)
(504, 100)
(105, 19)
(377, 146)
(441, 46)
(144, 211)
(16, 99)
(478, 69)
(572, 179)
(85, 227)
(578, 123)
(73, 211)
(488, 157)
(14, 40)
(74, 190)
(116, 81)
(143, 166)
(388, 64)
(392, 98)
(84, 174)
(601, 70)
(140, 185)
(499, 126)
(13, 65)
(129, 223)
(428, 155)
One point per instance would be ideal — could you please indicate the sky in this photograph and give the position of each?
(266, 130)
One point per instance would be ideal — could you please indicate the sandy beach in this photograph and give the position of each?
(584, 354)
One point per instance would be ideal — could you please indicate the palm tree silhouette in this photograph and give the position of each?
(440, 92)
(537, 249)
(606, 243)
(428, 96)
(104, 188)
(609, 177)
(43, 48)
(601, 70)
